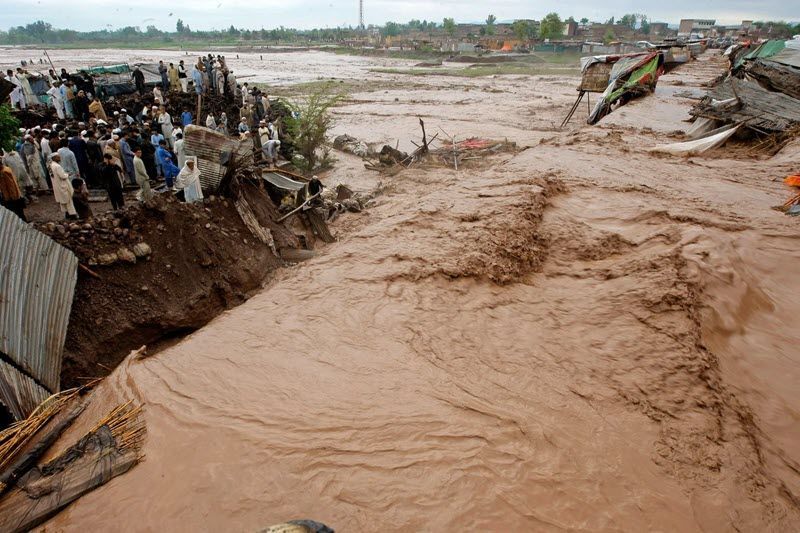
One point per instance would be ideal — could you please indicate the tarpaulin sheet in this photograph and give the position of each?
(790, 55)
(763, 51)
(107, 69)
(282, 182)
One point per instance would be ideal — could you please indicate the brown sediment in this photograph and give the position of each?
(577, 337)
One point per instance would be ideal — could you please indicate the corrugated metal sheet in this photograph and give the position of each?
(211, 149)
(37, 284)
(18, 392)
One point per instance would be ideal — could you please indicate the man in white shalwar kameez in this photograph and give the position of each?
(62, 187)
(189, 180)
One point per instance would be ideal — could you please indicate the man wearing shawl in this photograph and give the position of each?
(189, 180)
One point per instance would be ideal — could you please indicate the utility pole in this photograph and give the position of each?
(361, 14)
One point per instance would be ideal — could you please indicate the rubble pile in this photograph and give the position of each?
(760, 94)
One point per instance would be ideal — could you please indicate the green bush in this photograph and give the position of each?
(9, 128)
(310, 121)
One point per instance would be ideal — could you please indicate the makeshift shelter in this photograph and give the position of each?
(631, 76)
(736, 101)
(111, 80)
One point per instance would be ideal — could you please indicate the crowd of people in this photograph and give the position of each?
(87, 148)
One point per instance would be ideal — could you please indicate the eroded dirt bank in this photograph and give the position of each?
(576, 337)
(159, 271)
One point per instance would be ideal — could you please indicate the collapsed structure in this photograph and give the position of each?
(758, 98)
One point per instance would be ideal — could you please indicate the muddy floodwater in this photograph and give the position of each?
(274, 68)
(576, 336)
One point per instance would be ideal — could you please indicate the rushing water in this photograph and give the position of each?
(637, 371)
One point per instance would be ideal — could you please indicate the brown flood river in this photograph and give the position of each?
(632, 367)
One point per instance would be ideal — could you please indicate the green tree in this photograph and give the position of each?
(9, 126)
(609, 37)
(490, 20)
(584, 21)
(523, 30)
(644, 26)
(449, 26)
(391, 29)
(551, 26)
(179, 26)
(310, 121)
(628, 20)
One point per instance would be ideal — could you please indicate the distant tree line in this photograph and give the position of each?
(550, 27)
(41, 32)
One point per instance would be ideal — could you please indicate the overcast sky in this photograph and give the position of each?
(255, 14)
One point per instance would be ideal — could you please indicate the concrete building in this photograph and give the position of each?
(571, 28)
(699, 26)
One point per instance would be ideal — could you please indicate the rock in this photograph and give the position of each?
(160, 227)
(74, 227)
(143, 288)
(117, 231)
(212, 198)
(87, 227)
(126, 255)
(142, 249)
(352, 205)
(125, 232)
(107, 259)
(92, 261)
(208, 226)
(51, 227)
(115, 223)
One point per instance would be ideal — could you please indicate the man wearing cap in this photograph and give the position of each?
(272, 144)
(165, 121)
(54, 93)
(62, 188)
(182, 78)
(138, 79)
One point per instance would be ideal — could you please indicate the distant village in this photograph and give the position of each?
(583, 37)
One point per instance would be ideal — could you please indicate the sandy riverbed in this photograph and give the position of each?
(635, 369)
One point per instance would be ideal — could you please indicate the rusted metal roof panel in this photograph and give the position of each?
(19, 393)
(213, 150)
(37, 284)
